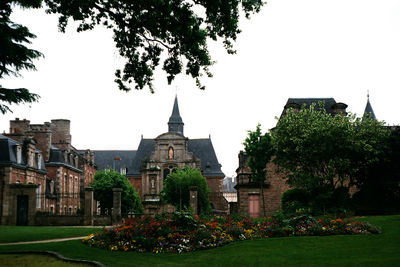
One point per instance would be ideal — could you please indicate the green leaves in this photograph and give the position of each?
(105, 181)
(316, 148)
(177, 186)
(259, 149)
(144, 29)
(15, 55)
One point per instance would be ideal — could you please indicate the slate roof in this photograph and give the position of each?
(175, 116)
(201, 148)
(146, 147)
(204, 150)
(8, 154)
(104, 159)
(329, 102)
(369, 110)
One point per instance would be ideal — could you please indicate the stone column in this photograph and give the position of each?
(88, 217)
(116, 211)
(193, 199)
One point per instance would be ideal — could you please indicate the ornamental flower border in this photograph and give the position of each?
(182, 232)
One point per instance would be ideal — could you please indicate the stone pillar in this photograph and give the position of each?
(88, 217)
(116, 211)
(193, 199)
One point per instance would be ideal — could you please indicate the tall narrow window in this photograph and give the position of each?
(39, 160)
(38, 193)
(19, 155)
(31, 159)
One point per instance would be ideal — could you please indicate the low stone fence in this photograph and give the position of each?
(58, 220)
(101, 220)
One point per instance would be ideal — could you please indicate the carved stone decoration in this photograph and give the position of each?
(171, 153)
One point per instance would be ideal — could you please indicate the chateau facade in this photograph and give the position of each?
(148, 166)
(40, 171)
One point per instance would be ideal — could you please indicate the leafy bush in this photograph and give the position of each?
(170, 233)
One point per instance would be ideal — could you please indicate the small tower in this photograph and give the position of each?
(368, 109)
(175, 123)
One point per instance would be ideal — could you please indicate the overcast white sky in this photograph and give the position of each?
(309, 48)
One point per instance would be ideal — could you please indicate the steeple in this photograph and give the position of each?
(368, 109)
(175, 123)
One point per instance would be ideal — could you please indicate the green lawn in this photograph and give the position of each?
(30, 233)
(35, 261)
(356, 250)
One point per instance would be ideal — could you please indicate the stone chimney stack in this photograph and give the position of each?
(43, 135)
(339, 109)
(61, 136)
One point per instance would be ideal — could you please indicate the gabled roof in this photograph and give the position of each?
(201, 148)
(328, 103)
(106, 159)
(369, 110)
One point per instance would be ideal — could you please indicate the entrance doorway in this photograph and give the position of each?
(22, 210)
(254, 206)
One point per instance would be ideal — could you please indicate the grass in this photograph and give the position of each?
(35, 261)
(10, 234)
(355, 250)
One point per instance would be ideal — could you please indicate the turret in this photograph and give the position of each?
(175, 123)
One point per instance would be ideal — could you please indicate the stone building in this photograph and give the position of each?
(66, 170)
(249, 193)
(148, 166)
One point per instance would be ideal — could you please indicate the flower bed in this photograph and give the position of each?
(182, 232)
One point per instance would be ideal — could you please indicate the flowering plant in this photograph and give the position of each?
(182, 232)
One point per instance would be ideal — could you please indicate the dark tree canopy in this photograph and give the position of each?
(177, 186)
(324, 155)
(143, 29)
(145, 33)
(105, 181)
(316, 148)
(14, 55)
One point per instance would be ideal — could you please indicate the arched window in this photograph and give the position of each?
(166, 172)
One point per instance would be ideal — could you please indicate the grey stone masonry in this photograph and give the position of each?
(88, 206)
(193, 199)
(116, 211)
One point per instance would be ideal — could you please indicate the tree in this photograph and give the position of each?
(177, 186)
(105, 181)
(145, 31)
(324, 153)
(259, 149)
(379, 188)
(14, 55)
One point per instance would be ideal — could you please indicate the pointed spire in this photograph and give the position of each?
(175, 123)
(368, 108)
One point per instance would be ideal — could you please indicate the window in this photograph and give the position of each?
(39, 166)
(52, 209)
(31, 159)
(19, 155)
(38, 198)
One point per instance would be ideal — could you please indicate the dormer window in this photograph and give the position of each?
(39, 161)
(31, 159)
(19, 155)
